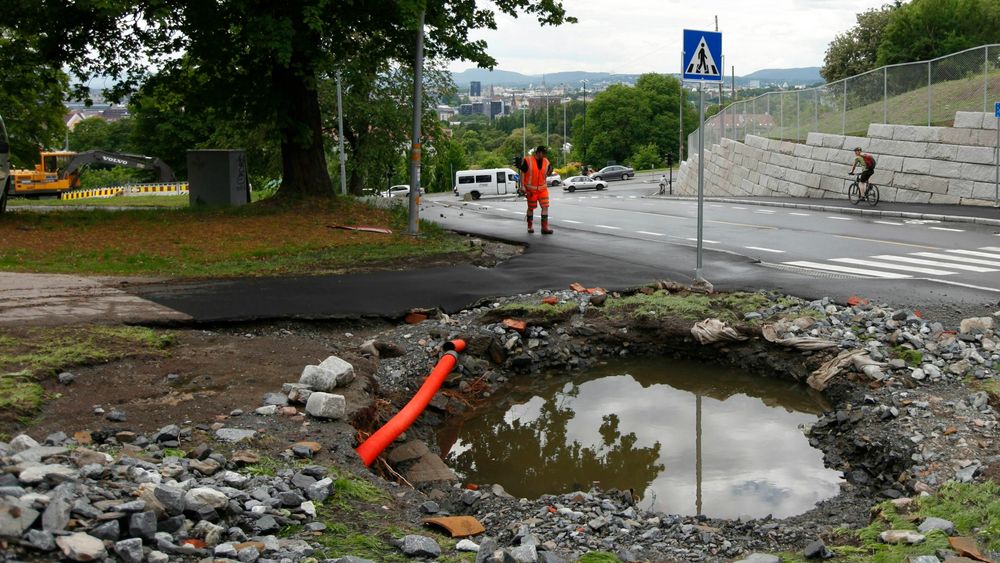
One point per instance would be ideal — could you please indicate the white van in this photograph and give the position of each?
(491, 181)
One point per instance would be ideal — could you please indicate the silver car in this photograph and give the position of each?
(583, 183)
(614, 173)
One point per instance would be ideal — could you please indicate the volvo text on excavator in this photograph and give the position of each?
(60, 171)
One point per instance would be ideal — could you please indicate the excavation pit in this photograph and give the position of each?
(684, 437)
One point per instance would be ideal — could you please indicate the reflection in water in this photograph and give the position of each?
(688, 438)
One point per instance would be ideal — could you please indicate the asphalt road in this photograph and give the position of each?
(928, 264)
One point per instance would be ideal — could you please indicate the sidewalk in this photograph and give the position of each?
(923, 211)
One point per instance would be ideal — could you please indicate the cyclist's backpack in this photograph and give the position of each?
(869, 161)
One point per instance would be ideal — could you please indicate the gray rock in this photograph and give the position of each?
(66, 378)
(81, 547)
(933, 523)
(320, 490)
(211, 533)
(430, 507)
(116, 416)
(131, 506)
(352, 559)
(343, 369)
(908, 537)
(157, 557)
(22, 442)
(171, 498)
(38, 453)
(226, 550)
(248, 555)
(524, 554)
(275, 399)
(234, 435)
(267, 525)
(760, 558)
(15, 517)
(965, 475)
(169, 433)
(924, 559)
(817, 550)
(201, 497)
(142, 525)
(130, 550)
(318, 379)
(327, 405)
(110, 531)
(420, 546)
(467, 545)
(57, 513)
(40, 540)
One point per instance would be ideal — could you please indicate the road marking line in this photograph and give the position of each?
(885, 266)
(714, 205)
(762, 249)
(736, 207)
(909, 260)
(975, 253)
(844, 269)
(633, 197)
(839, 218)
(959, 284)
(957, 258)
(991, 248)
(703, 240)
(571, 221)
(801, 214)
(888, 242)
(651, 233)
(740, 224)
(608, 227)
(765, 211)
(946, 229)
(890, 223)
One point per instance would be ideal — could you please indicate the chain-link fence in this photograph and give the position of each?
(922, 93)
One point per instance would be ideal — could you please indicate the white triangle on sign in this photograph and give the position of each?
(702, 61)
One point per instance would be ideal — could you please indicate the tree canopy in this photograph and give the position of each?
(856, 50)
(261, 60)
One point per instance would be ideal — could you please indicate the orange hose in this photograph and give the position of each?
(380, 440)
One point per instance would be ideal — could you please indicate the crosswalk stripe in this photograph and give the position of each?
(910, 260)
(958, 258)
(846, 270)
(975, 253)
(762, 249)
(885, 266)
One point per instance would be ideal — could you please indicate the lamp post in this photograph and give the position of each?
(524, 134)
(546, 118)
(565, 102)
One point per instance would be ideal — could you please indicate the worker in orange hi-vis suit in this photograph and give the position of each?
(535, 170)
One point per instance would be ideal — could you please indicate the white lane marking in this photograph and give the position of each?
(846, 270)
(992, 248)
(889, 223)
(765, 211)
(633, 197)
(762, 249)
(958, 258)
(801, 214)
(714, 205)
(608, 227)
(571, 221)
(703, 240)
(736, 207)
(651, 233)
(959, 284)
(937, 263)
(883, 265)
(946, 229)
(839, 218)
(975, 253)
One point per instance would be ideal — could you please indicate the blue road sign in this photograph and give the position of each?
(702, 56)
(996, 110)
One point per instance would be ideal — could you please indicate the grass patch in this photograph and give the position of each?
(351, 488)
(599, 557)
(266, 238)
(540, 314)
(973, 508)
(174, 452)
(266, 466)
(30, 355)
(729, 307)
(910, 356)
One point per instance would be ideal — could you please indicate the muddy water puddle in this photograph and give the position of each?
(686, 438)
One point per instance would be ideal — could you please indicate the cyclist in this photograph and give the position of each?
(867, 164)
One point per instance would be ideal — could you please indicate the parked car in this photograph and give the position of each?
(583, 183)
(614, 173)
(400, 190)
(553, 180)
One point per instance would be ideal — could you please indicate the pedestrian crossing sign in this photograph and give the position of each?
(702, 56)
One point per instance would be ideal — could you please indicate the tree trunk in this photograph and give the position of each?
(303, 162)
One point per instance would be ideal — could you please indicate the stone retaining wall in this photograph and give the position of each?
(916, 164)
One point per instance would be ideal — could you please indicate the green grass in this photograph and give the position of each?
(693, 307)
(540, 313)
(352, 488)
(910, 356)
(131, 201)
(20, 393)
(174, 452)
(973, 508)
(599, 557)
(266, 466)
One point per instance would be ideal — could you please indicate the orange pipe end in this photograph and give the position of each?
(380, 440)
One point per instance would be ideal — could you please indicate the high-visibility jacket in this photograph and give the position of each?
(535, 176)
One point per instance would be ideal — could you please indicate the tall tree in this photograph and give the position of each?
(856, 50)
(264, 58)
(925, 29)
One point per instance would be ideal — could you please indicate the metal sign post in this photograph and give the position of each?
(701, 62)
(996, 158)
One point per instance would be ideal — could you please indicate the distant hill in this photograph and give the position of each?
(805, 75)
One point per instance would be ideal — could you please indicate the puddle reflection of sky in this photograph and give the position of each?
(755, 460)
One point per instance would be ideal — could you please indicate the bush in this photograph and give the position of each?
(568, 170)
(646, 157)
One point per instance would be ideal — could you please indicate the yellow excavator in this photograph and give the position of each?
(59, 171)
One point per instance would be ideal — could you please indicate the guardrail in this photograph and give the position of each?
(152, 188)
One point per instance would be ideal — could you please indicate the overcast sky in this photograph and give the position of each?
(635, 36)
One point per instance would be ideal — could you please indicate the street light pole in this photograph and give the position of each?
(413, 226)
(564, 104)
(524, 133)
(584, 139)
(546, 118)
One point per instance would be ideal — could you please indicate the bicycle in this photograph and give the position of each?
(871, 194)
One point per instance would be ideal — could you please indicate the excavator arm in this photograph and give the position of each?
(106, 158)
